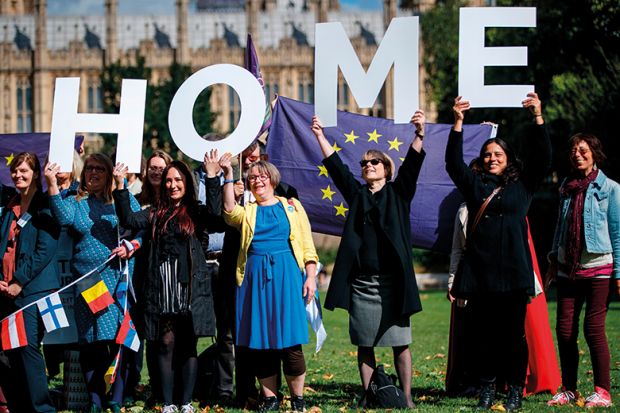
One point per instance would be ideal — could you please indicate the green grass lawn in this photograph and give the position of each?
(333, 383)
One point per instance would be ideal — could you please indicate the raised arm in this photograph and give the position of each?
(405, 182)
(460, 174)
(317, 129)
(537, 156)
(127, 217)
(63, 210)
(228, 191)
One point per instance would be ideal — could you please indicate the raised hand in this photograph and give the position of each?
(119, 173)
(317, 126)
(226, 165)
(50, 171)
(418, 120)
(211, 163)
(460, 106)
(533, 104)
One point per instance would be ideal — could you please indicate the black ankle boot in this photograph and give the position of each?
(487, 397)
(515, 399)
(269, 404)
(298, 404)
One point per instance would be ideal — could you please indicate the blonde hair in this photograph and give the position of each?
(104, 160)
(268, 169)
(388, 163)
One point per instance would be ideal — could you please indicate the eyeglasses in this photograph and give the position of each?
(582, 151)
(373, 162)
(156, 169)
(254, 178)
(96, 169)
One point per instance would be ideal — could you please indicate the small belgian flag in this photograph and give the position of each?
(95, 293)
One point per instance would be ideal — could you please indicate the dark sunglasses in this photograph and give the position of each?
(374, 162)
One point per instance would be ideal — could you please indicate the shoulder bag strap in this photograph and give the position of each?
(483, 207)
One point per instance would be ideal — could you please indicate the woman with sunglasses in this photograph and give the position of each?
(373, 276)
(95, 228)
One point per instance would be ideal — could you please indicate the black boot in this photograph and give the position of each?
(269, 404)
(515, 399)
(487, 397)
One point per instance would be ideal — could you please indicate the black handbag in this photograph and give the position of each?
(382, 392)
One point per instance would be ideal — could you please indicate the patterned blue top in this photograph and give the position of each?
(94, 228)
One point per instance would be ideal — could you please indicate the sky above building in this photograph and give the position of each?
(158, 7)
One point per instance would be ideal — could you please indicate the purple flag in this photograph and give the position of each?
(293, 148)
(12, 144)
(251, 64)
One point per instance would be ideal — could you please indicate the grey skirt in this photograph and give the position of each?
(375, 319)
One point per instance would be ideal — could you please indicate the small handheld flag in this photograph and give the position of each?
(96, 294)
(14, 332)
(52, 312)
(127, 334)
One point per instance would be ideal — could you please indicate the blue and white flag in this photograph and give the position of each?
(52, 312)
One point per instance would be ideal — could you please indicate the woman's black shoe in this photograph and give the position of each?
(298, 404)
(487, 397)
(515, 399)
(269, 404)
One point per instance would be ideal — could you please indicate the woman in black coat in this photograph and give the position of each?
(178, 305)
(28, 241)
(496, 274)
(373, 275)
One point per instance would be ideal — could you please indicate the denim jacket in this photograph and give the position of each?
(601, 220)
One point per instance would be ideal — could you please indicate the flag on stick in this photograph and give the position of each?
(251, 64)
(13, 331)
(127, 334)
(52, 312)
(110, 375)
(95, 293)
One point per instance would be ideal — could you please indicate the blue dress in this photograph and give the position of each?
(94, 227)
(271, 312)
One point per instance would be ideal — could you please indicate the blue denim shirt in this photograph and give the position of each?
(601, 220)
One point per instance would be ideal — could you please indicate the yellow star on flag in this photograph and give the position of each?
(336, 147)
(402, 159)
(9, 159)
(341, 209)
(351, 137)
(322, 170)
(327, 193)
(395, 144)
(373, 136)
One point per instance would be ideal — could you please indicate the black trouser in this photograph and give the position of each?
(223, 302)
(499, 333)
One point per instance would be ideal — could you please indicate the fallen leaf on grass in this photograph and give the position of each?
(581, 402)
(498, 407)
(206, 409)
(314, 409)
(308, 389)
(417, 373)
(328, 376)
(343, 409)
(439, 356)
(353, 353)
(387, 365)
(428, 357)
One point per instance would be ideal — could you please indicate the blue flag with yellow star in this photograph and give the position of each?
(12, 144)
(293, 148)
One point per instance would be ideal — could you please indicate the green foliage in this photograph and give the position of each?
(158, 99)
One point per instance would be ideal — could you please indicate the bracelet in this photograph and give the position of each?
(419, 135)
(229, 181)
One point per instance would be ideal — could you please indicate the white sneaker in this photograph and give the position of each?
(171, 408)
(187, 408)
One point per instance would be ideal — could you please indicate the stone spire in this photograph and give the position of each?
(182, 47)
(251, 13)
(111, 32)
(41, 106)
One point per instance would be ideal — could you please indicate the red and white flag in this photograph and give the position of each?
(13, 331)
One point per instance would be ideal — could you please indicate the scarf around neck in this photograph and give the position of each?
(576, 187)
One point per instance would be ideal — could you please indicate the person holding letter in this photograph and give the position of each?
(93, 223)
(373, 275)
(496, 274)
(28, 241)
(179, 304)
(585, 263)
(276, 246)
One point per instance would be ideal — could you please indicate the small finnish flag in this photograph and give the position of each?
(52, 312)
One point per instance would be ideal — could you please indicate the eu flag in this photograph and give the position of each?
(293, 148)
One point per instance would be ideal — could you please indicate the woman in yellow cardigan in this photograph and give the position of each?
(276, 246)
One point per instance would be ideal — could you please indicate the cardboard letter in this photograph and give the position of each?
(251, 97)
(398, 47)
(473, 56)
(128, 124)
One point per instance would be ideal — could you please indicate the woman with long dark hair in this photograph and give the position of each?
(177, 289)
(585, 262)
(496, 274)
(95, 229)
(28, 241)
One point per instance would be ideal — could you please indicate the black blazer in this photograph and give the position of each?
(394, 222)
(201, 299)
(497, 256)
(35, 264)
